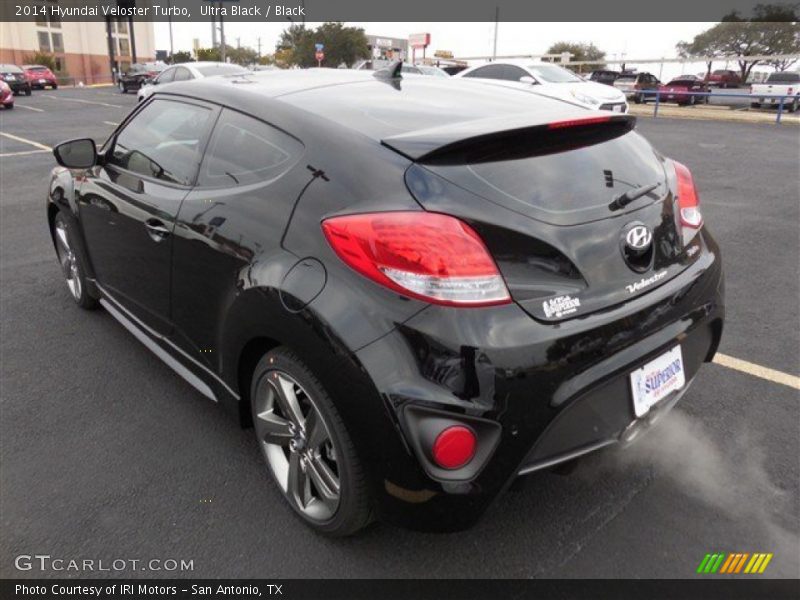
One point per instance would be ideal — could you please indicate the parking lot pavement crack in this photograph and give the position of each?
(617, 508)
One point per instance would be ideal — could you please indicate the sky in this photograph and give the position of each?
(635, 40)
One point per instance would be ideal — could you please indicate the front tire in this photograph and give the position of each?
(755, 105)
(71, 265)
(28, 91)
(122, 88)
(306, 445)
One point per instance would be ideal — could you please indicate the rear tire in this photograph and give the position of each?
(122, 88)
(755, 105)
(793, 106)
(28, 91)
(10, 106)
(71, 265)
(54, 86)
(307, 448)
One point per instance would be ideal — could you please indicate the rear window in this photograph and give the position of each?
(785, 77)
(565, 188)
(35, 68)
(212, 70)
(625, 78)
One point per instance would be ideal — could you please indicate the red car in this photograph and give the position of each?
(39, 76)
(724, 78)
(6, 95)
(680, 90)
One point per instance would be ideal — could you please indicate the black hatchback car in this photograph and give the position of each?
(414, 290)
(15, 77)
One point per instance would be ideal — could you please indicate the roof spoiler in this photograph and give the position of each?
(509, 137)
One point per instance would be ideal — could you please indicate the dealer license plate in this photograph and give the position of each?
(656, 380)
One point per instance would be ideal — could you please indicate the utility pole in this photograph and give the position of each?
(169, 18)
(238, 42)
(496, 24)
(213, 32)
(221, 35)
(259, 47)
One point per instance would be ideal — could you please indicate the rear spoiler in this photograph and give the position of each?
(509, 137)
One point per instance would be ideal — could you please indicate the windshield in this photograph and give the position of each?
(553, 74)
(436, 72)
(10, 69)
(35, 68)
(212, 70)
(785, 77)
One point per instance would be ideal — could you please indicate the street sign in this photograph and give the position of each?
(419, 40)
(318, 47)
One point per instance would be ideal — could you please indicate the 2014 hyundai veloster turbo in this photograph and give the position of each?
(414, 289)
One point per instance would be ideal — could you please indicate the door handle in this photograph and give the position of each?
(156, 230)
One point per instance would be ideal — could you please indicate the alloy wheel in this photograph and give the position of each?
(297, 445)
(68, 260)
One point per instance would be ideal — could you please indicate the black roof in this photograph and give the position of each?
(376, 108)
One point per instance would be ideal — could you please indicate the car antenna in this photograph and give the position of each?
(391, 71)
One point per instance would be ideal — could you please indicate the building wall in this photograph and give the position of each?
(80, 48)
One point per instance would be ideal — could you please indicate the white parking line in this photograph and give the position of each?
(24, 153)
(111, 123)
(83, 101)
(757, 370)
(24, 141)
(29, 108)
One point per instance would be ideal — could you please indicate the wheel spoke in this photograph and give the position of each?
(325, 481)
(288, 400)
(273, 429)
(297, 481)
(61, 234)
(316, 434)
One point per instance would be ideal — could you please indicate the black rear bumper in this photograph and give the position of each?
(553, 391)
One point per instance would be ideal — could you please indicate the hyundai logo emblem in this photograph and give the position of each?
(638, 238)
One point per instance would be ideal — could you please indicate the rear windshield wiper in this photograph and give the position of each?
(623, 200)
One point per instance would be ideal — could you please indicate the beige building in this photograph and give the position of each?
(86, 51)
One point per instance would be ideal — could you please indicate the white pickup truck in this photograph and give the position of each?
(777, 85)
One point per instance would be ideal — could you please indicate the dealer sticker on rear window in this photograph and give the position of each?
(656, 380)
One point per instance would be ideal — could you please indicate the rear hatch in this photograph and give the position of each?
(557, 231)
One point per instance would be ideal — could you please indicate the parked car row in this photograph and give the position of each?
(15, 80)
(723, 78)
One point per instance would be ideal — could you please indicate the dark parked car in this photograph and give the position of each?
(40, 76)
(724, 78)
(680, 90)
(6, 96)
(461, 297)
(138, 75)
(604, 76)
(16, 79)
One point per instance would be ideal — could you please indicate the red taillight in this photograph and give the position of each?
(578, 122)
(688, 201)
(454, 447)
(430, 256)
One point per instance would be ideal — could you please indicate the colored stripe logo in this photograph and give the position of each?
(734, 563)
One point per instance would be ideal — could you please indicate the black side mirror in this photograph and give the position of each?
(76, 154)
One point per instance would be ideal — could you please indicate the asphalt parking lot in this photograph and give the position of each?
(105, 453)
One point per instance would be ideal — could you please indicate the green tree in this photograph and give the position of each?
(181, 56)
(242, 56)
(580, 52)
(342, 44)
(773, 30)
(211, 54)
(40, 58)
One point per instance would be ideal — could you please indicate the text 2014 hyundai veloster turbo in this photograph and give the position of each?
(415, 290)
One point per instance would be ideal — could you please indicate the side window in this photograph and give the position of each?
(182, 74)
(244, 150)
(166, 76)
(163, 141)
(488, 72)
(513, 73)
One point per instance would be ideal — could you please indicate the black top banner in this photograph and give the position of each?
(376, 10)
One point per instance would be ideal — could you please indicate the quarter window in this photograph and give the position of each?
(182, 74)
(163, 141)
(488, 72)
(166, 76)
(244, 150)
